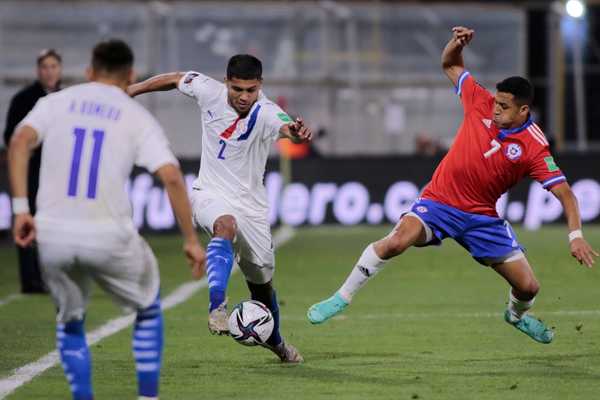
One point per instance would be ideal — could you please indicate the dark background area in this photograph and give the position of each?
(538, 70)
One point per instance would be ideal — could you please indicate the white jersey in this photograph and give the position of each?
(234, 150)
(93, 135)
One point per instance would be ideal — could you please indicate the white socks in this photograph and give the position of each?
(368, 265)
(517, 308)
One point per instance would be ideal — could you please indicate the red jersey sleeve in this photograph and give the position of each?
(472, 94)
(543, 169)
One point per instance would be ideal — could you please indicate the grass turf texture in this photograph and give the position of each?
(428, 327)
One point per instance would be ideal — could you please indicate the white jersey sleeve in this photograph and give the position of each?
(274, 118)
(39, 118)
(153, 148)
(199, 86)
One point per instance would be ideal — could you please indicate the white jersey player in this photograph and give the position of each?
(239, 125)
(93, 135)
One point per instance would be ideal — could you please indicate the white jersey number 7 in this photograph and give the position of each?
(495, 147)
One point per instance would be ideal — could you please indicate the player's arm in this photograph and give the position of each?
(580, 249)
(172, 179)
(19, 152)
(156, 83)
(296, 131)
(452, 59)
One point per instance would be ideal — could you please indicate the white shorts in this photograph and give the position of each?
(253, 244)
(128, 272)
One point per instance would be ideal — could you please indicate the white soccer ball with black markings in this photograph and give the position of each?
(251, 323)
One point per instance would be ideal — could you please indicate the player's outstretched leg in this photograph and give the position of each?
(522, 294)
(265, 293)
(219, 262)
(147, 347)
(408, 232)
(75, 357)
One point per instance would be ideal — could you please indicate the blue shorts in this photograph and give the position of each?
(490, 240)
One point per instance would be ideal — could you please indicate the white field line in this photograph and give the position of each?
(26, 373)
(474, 315)
(10, 298)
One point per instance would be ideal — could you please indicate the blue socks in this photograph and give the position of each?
(147, 351)
(75, 357)
(219, 262)
(147, 348)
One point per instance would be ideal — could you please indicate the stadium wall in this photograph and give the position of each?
(352, 191)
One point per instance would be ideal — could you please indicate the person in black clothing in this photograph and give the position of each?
(49, 70)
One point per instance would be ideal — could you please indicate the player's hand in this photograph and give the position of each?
(462, 35)
(583, 252)
(196, 258)
(300, 131)
(24, 230)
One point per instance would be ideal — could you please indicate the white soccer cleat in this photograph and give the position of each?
(287, 353)
(217, 320)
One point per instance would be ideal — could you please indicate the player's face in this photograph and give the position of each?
(49, 72)
(507, 113)
(242, 93)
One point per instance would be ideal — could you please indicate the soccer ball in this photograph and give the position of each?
(251, 323)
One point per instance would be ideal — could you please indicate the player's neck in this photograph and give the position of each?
(121, 84)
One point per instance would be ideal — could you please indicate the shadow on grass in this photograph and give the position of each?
(555, 366)
(314, 373)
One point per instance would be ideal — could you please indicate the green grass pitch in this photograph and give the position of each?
(428, 327)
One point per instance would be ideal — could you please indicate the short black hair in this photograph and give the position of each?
(48, 53)
(112, 56)
(244, 66)
(519, 87)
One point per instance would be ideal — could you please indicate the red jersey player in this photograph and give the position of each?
(496, 146)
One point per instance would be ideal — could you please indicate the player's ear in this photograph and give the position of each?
(524, 109)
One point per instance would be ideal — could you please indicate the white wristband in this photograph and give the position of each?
(20, 205)
(575, 234)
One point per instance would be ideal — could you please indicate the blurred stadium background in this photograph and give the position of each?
(366, 76)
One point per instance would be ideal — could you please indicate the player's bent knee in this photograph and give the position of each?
(225, 226)
(411, 230)
(527, 290)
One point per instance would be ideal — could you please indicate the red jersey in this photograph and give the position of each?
(484, 161)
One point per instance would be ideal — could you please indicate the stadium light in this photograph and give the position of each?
(575, 8)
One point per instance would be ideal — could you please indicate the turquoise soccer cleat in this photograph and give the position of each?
(321, 312)
(532, 327)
